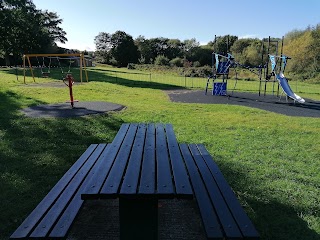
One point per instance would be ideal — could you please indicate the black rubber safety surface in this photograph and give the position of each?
(64, 110)
(270, 103)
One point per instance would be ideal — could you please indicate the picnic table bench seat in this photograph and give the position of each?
(54, 215)
(144, 163)
(222, 215)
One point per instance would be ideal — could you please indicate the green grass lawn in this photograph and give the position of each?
(272, 161)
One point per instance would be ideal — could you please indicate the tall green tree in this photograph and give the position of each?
(123, 50)
(145, 50)
(103, 47)
(314, 49)
(25, 29)
(223, 44)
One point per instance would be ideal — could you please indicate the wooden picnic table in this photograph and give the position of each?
(144, 163)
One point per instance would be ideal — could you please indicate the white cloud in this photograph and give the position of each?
(249, 36)
(203, 43)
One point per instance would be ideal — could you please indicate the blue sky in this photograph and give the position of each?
(182, 19)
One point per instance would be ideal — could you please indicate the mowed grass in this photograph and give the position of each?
(271, 161)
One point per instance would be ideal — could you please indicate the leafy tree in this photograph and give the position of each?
(116, 49)
(158, 46)
(190, 44)
(50, 23)
(123, 50)
(314, 49)
(239, 49)
(253, 53)
(299, 49)
(144, 49)
(201, 54)
(223, 44)
(103, 47)
(176, 62)
(161, 60)
(25, 29)
(175, 48)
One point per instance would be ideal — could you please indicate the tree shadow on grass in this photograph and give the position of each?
(35, 153)
(273, 219)
(128, 79)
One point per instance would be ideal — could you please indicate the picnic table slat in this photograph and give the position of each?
(164, 180)
(131, 178)
(148, 170)
(181, 179)
(108, 157)
(112, 183)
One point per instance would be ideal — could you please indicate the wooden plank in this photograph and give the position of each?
(112, 183)
(148, 170)
(164, 180)
(180, 176)
(105, 164)
(131, 177)
(55, 211)
(228, 224)
(35, 216)
(208, 215)
(64, 223)
(246, 226)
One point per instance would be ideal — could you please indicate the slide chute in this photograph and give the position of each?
(287, 89)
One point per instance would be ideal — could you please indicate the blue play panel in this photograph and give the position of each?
(219, 88)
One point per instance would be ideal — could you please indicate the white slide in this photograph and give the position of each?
(287, 90)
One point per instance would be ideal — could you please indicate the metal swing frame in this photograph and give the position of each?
(81, 60)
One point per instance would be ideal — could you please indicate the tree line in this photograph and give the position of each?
(120, 49)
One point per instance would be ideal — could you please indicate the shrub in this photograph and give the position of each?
(131, 66)
(196, 64)
(161, 60)
(176, 62)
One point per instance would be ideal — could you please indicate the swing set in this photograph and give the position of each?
(68, 79)
(43, 67)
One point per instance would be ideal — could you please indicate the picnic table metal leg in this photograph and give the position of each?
(138, 218)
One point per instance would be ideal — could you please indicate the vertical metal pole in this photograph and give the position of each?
(227, 45)
(70, 82)
(81, 55)
(24, 69)
(267, 72)
(281, 53)
(85, 67)
(262, 65)
(31, 69)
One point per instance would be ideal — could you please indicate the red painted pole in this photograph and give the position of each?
(70, 81)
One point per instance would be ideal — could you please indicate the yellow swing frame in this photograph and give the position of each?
(80, 55)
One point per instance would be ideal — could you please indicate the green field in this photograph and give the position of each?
(272, 161)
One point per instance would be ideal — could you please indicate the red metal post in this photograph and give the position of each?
(70, 83)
